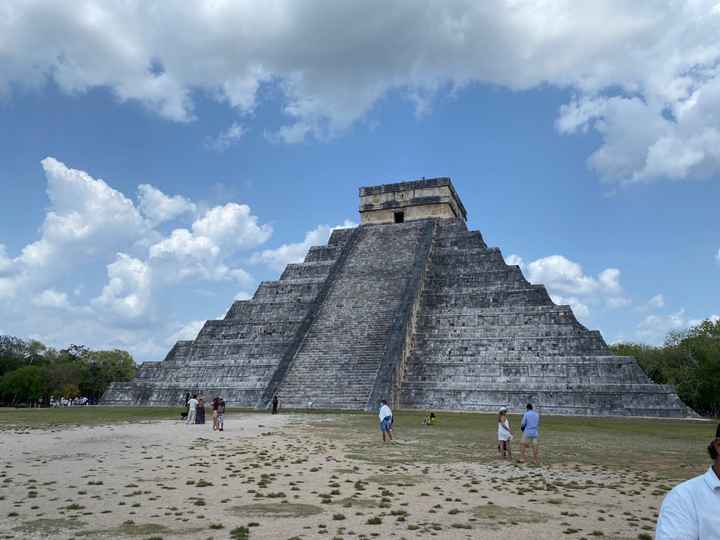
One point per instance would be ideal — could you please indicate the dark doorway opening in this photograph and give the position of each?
(399, 217)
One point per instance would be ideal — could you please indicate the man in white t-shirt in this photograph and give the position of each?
(386, 420)
(192, 409)
(691, 511)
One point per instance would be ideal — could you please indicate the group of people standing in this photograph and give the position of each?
(689, 511)
(195, 411)
(530, 427)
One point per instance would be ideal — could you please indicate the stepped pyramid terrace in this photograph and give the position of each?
(411, 307)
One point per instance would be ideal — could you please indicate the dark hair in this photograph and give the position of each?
(713, 451)
(383, 402)
(529, 407)
(194, 396)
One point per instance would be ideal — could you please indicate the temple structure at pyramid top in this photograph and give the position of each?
(412, 307)
(434, 198)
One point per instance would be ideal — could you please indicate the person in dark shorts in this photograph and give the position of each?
(200, 415)
(221, 415)
(275, 404)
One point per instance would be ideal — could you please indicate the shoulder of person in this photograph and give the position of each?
(683, 492)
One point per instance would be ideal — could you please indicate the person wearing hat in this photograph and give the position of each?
(691, 511)
(505, 434)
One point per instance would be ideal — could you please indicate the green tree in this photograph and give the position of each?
(103, 368)
(24, 385)
(689, 359)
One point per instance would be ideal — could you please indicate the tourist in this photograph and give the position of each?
(691, 511)
(530, 426)
(430, 419)
(505, 434)
(192, 410)
(184, 414)
(275, 404)
(215, 405)
(221, 414)
(200, 416)
(386, 420)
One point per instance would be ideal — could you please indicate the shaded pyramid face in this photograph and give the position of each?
(410, 307)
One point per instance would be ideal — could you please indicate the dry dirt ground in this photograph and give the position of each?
(327, 475)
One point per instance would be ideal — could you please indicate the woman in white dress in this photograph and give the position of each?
(505, 434)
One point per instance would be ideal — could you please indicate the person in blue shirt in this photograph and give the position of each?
(530, 427)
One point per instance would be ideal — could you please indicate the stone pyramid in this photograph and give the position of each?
(409, 306)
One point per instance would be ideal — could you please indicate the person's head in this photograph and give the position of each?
(194, 396)
(432, 415)
(529, 407)
(714, 447)
(383, 402)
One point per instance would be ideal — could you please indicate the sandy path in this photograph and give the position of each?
(275, 475)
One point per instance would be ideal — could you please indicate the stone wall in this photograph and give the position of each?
(487, 338)
(434, 198)
(239, 357)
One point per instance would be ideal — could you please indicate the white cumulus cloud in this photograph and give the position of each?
(644, 74)
(227, 138)
(656, 301)
(159, 208)
(280, 257)
(127, 293)
(91, 229)
(232, 225)
(568, 284)
(50, 298)
(580, 308)
(186, 332)
(654, 328)
(86, 218)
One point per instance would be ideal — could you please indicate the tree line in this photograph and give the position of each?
(31, 373)
(689, 359)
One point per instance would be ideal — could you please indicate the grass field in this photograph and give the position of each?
(672, 448)
(82, 416)
(299, 475)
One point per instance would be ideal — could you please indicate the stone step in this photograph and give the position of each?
(358, 315)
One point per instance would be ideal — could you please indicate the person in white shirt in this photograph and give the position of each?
(691, 511)
(192, 410)
(386, 420)
(505, 434)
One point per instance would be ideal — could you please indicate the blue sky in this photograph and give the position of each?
(593, 167)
